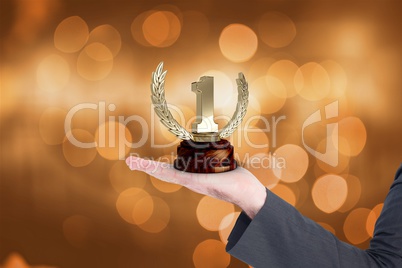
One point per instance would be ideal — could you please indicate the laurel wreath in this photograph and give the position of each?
(241, 108)
(160, 106)
(166, 118)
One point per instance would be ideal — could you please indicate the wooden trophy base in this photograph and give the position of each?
(205, 157)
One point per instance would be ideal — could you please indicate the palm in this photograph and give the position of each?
(238, 186)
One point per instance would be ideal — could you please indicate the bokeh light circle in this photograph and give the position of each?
(354, 192)
(73, 153)
(262, 165)
(276, 29)
(143, 210)
(159, 218)
(332, 155)
(327, 227)
(296, 162)
(210, 212)
(249, 142)
(108, 36)
(71, 34)
(226, 226)
(337, 76)
(53, 73)
(270, 93)
(95, 62)
(113, 140)
(161, 28)
(238, 43)
(15, 260)
(127, 201)
(211, 253)
(312, 82)
(354, 226)
(285, 193)
(329, 192)
(351, 137)
(372, 218)
(284, 71)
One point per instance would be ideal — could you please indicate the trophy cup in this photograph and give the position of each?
(205, 149)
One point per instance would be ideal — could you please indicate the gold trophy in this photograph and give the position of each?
(205, 149)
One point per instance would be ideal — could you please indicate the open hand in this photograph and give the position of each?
(238, 186)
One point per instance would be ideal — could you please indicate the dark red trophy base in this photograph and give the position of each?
(205, 157)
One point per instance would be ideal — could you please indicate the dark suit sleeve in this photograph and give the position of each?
(279, 236)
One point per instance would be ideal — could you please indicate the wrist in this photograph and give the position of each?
(255, 201)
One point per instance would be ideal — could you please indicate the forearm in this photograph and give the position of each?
(279, 236)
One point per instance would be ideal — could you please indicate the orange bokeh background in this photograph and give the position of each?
(65, 206)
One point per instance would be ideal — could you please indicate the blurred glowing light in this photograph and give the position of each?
(159, 218)
(249, 142)
(284, 71)
(262, 165)
(329, 192)
(337, 77)
(333, 153)
(113, 140)
(15, 260)
(108, 36)
(95, 62)
(354, 192)
(53, 73)
(226, 226)
(76, 156)
(76, 230)
(210, 253)
(354, 226)
(136, 28)
(238, 43)
(285, 193)
(276, 29)
(312, 82)
(259, 68)
(51, 125)
(352, 136)
(98, 52)
(71, 34)
(327, 227)
(161, 28)
(211, 211)
(121, 177)
(270, 94)
(143, 210)
(296, 162)
(353, 38)
(372, 218)
(127, 201)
